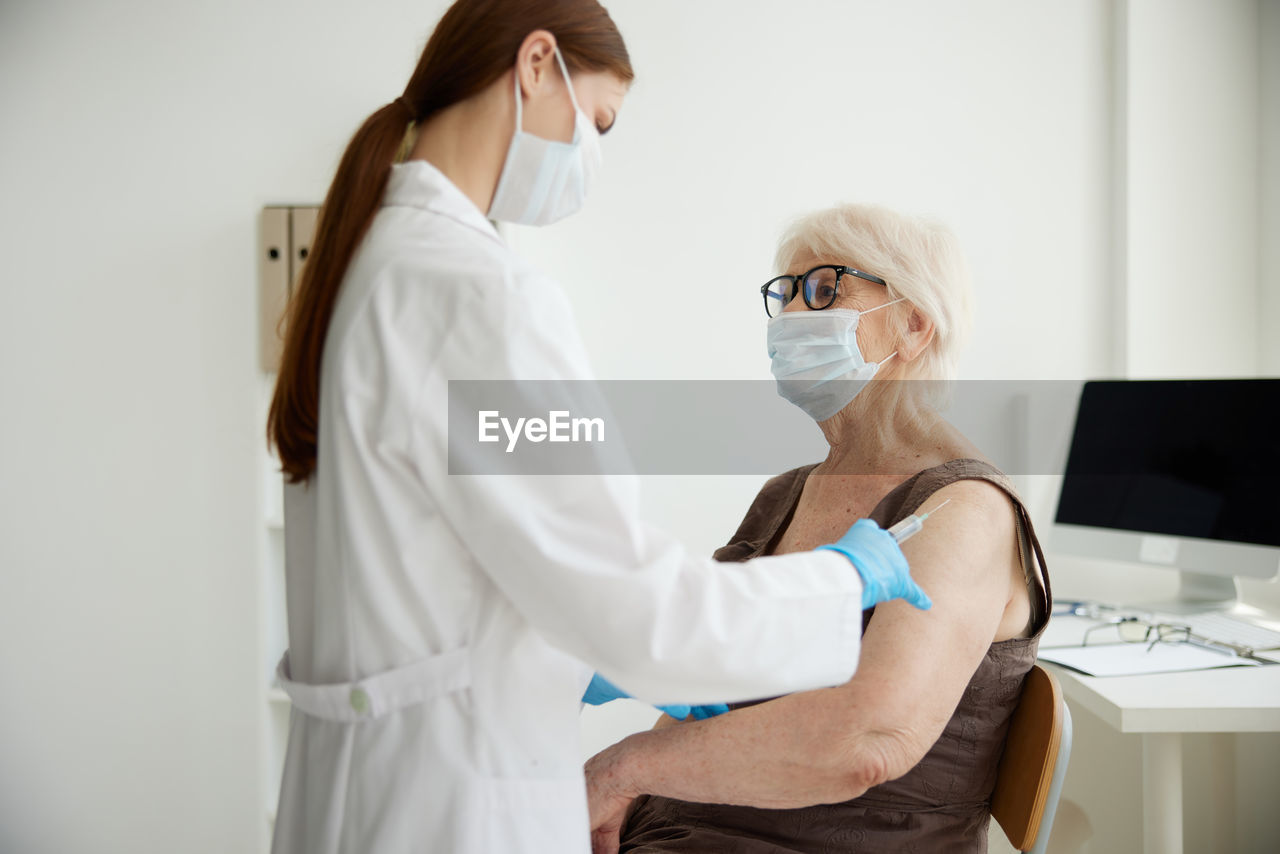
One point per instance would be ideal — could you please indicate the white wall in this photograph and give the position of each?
(986, 113)
(139, 141)
(1189, 173)
(1269, 203)
(141, 138)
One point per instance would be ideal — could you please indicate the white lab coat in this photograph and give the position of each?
(442, 628)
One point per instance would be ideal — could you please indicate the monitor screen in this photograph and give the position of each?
(1183, 458)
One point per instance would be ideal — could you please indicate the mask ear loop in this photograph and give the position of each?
(573, 99)
(519, 111)
(886, 305)
(880, 364)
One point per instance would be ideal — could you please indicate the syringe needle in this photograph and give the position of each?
(935, 510)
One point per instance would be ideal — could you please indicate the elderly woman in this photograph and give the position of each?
(903, 756)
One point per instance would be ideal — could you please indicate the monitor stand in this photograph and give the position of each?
(1197, 593)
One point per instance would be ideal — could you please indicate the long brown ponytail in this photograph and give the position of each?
(474, 44)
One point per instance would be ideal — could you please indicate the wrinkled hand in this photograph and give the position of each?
(884, 571)
(607, 818)
(607, 801)
(602, 691)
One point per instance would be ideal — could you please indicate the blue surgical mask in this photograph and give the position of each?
(815, 358)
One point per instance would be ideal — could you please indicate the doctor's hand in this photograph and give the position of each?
(876, 556)
(700, 713)
(602, 691)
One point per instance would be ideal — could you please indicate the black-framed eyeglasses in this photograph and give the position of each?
(821, 287)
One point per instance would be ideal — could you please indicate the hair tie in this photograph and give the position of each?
(404, 102)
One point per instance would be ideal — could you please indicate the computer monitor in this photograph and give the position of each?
(1183, 474)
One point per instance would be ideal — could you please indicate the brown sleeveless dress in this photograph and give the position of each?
(943, 803)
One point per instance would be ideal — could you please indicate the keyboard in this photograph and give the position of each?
(1232, 630)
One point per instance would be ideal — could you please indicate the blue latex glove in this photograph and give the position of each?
(700, 713)
(884, 571)
(710, 710)
(601, 691)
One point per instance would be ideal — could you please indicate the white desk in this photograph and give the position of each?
(1163, 706)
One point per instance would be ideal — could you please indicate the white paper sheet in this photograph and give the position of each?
(1130, 659)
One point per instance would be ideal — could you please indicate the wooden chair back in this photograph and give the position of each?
(1034, 763)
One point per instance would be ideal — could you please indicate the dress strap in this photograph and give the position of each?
(911, 495)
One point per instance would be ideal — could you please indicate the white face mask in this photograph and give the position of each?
(542, 180)
(815, 358)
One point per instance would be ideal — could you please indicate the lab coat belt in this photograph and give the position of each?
(381, 694)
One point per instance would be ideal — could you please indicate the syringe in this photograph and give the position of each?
(911, 525)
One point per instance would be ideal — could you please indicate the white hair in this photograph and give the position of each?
(919, 258)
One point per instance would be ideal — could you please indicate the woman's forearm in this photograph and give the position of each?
(794, 751)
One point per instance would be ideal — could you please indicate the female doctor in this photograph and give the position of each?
(442, 629)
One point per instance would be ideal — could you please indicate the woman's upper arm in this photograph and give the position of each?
(832, 744)
(916, 664)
